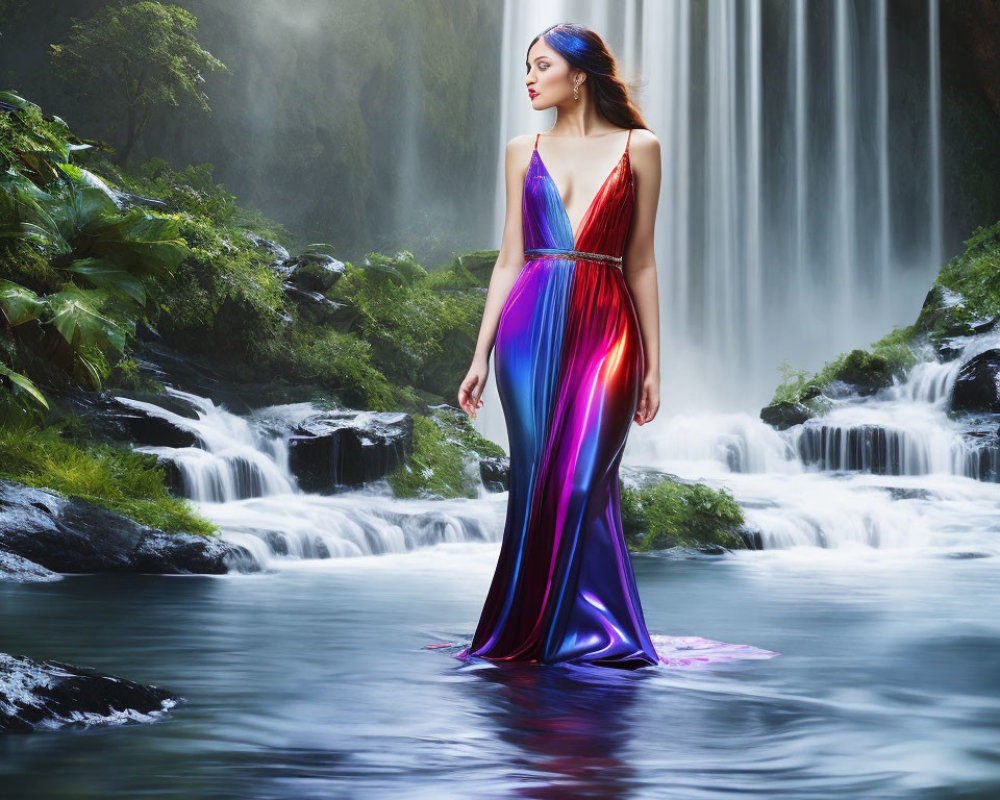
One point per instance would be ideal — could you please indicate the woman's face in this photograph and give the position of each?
(550, 77)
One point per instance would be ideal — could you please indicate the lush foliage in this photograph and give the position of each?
(421, 331)
(891, 357)
(77, 269)
(670, 514)
(966, 294)
(964, 299)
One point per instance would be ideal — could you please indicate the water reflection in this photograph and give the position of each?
(569, 725)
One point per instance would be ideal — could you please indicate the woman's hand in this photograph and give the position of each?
(649, 400)
(471, 390)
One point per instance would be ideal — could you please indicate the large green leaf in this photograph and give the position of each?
(91, 207)
(24, 214)
(89, 369)
(106, 275)
(24, 383)
(80, 324)
(19, 304)
(141, 243)
(84, 178)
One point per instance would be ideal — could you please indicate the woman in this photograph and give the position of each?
(572, 306)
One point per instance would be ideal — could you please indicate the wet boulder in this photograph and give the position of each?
(76, 536)
(977, 386)
(17, 569)
(37, 695)
(333, 449)
(495, 473)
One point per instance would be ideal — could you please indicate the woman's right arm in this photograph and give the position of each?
(508, 266)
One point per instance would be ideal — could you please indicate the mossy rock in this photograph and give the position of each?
(445, 459)
(867, 372)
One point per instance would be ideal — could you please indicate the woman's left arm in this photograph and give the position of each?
(640, 263)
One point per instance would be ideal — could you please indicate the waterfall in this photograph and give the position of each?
(786, 229)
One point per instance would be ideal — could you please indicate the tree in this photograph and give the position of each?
(145, 53)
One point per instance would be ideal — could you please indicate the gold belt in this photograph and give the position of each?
(579, 255)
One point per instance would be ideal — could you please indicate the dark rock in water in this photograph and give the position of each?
(784, 415)
(868, 448)
(115, 418)
(977, 386)
(35, 695)
(907, 493)
(751, 537)
(495, 473)
(15, 569)
(949, 351)
(75, 536)
(347, 448)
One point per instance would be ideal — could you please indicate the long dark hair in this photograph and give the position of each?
(584, 49)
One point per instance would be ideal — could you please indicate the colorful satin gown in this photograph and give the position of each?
(569, 365)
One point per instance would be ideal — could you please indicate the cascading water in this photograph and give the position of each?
(894, 470)
(237, 474)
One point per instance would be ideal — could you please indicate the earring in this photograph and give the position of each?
(576, 91)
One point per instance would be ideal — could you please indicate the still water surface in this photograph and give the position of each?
(311, 681)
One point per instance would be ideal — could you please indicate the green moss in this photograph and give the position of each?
(445, 459)
(967, 290)
(889, 358)
(466, 270)
(439, 466)
(456, 426)
(671, 514)
(64, 459)
(795, 385)
(331, 358)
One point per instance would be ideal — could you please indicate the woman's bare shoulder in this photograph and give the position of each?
(644, 139)
(645, 151)
(521, 144)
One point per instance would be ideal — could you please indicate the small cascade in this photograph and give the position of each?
(906, 429)
(233, 458)
(307, 527)
(236, 470)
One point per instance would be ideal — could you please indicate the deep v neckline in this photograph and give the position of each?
(590, 207)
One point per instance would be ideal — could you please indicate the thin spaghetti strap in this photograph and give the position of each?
(536, 139)
(628, 140)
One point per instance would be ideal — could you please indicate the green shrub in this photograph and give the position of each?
(671, 514)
